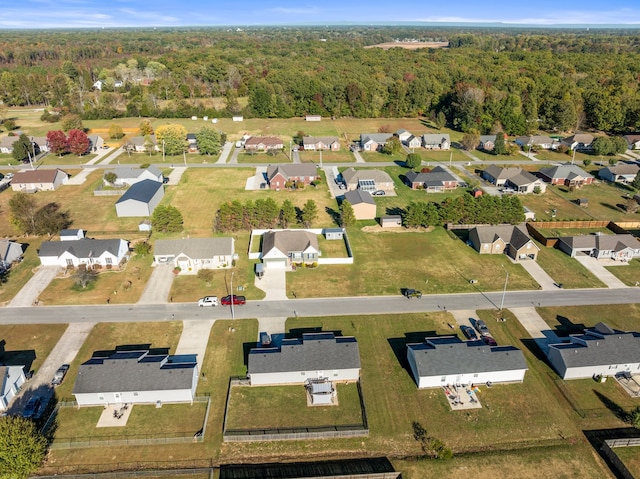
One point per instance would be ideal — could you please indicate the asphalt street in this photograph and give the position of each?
(365, 305)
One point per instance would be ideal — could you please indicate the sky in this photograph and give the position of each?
(50, 14)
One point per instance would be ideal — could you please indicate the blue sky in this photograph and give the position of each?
(161, 13)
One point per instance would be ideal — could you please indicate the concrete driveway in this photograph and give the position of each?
(175, 175)
(545, 281)
(254, 182)
(224, 155)
(158, 286)
(358, 156)
(536, 327)
(194, 338)
(599, 271)
(332, 173)
(234, 156)
(274, 284)
(29, 293)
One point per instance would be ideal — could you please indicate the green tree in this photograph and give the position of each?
(23, 209)
(500, 147)
(167, 219)
(110, 177)
(10, 125)
(413, 161)
(586, 162)
(174, 137)
(22, 148)
(392, 146)
(71, 122)
(309, 213)
(145, 127)
(636, 181)
(22, 447)
(634, 417)
(143, 248)
(287, 214)
(441, 120)
(50, 219)
(347, 215)
(603, 146)
(83, 277)
(471, 140)
(115, 131)
(208, 141)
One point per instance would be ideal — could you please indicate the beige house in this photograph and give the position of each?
(38, 180)
(368, 180)
(514, 241)
(193, 254)
(362, 203)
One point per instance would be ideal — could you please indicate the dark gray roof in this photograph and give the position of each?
(292, 170)
(376, 137)
(195, 248)
(435, 177)
(517, 236)
(356, 197)
(500, 173)
(449, 355)
(622, 169)
(142, 191)
(126, 371)
(289, 241)
(325, 140)
(435, 138)
(82, 248)
(564, 172)
(352, 176)
(314, 352)
(70, 232)
(523, 178)
(602, 242)
(599, 346)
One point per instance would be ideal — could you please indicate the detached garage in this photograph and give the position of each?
(140, 199)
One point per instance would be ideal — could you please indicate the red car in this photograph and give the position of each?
(489, 341)
(237, 300)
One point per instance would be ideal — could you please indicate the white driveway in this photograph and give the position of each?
(358, 156)
(176, 174)
(224, 155)
(331, 172)
(271, 326)
(600, 272)
(102, 157)
(536, 327)
(194, 338)
(273, 283)
(542, 278)
(464, 316)
(158, 286)
(29, 293)
(254, 182)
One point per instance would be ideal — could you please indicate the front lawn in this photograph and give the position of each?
(629, 274)
(21, 272)
(341, 156)
(28, 344)
(573, 319)
(263, 158)
(566, 270)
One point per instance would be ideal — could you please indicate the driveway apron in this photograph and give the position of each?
(600, 271)
(158, 286)
(29, 293)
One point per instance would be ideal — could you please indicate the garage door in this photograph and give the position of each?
(275, 264)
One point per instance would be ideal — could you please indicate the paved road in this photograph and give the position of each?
(318, 307)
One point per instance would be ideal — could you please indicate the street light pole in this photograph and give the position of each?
(232, 313)
(504, 291)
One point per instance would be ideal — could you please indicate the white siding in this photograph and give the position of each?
(472, 378)
(299, 377)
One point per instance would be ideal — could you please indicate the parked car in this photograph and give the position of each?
(469, 332)
(32, 409)
(378, 193)
(208, 301)
(412, 293)
(59, 375)
(489, 341)
(237, 300)
(481, 326)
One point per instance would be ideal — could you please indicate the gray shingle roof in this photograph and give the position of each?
(292, 170)
(500, 173)
(377, 137)
(517, 235)
(602, 242)
(623, 169)
(351, 176)
(435, 138)
(288, 241)
(564, 172)
(195, 248)
(449, 355)
(127, 172)
(435, 177)
(356, 197)
(82, 248)
(142, 191)
(325, 140)
(135, 371)
(315, 351)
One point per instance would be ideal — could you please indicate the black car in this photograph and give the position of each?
(32, 409)
(412, 293)
(469, 332)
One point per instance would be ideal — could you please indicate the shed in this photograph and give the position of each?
(71, 235)
(237, 118)
(333, 233)
(584, 202)
(313, 118)
(391, 221)
(144, 225)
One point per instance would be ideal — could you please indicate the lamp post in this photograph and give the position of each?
(504, 291)
(232, 313)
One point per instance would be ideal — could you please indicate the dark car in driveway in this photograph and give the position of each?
(33, 408)
(232, 298)
(489, 341)
(469, 332)
(481, 326)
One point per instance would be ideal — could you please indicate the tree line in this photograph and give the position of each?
(262, 214)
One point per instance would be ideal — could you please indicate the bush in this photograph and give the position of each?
(205, 275)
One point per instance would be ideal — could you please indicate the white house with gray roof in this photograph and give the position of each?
(193, 254)
(620, 173)
(282, 248)
(443, 360)
(91, 253)
(11, 380)
(140, 199)
(601, 350)
(374, 141)
(436, 141)
(136, 377)
(126, 176)
(314, 356)
(514, 178)
(143, 144)
(623, 247)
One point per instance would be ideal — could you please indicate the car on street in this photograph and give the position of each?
(378, 193)
(469, 332)
(208, 301)
(489, 341)
(481, 326)
(412, 293)
(59, 375)
(32, 409)
(232, 298)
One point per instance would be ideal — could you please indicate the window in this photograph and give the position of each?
(443, 379)
(135, 393)
(475, 375)
(101, 397)
(108, 261)
(69, 262)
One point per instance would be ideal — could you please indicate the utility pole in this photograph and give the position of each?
(232, 297)
(163, 151)
(320, 158)
(504, 291)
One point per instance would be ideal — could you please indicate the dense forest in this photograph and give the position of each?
(487, 80)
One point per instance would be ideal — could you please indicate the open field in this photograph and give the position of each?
(418, 260)
(342, 156)
(28, 344)
(566, 270)
(603, 200)
(629, 274)
(286, 406)
(544, 204)
(263, 158)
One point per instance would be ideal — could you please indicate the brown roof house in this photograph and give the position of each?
(282, 248)
(633, 141)
(263, 143)
(367, 180)
(362, 203)
(579, 141)
(279, 175)
(512, 240)
(620, 173)
(38, 180)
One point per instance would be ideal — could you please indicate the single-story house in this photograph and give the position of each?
(194, 254)
(620, 173)
(140, 199)
(314, 356)
(312, 143)
(282, 248)
(414, 141)
(443, 360)
(540, 141)
(436, 141)
(192, 143)
(487, 142)
(567, 174)
(40, 143)
(279, 175)
(71, 235)
(11, 380)
(498, 175)
(96, 142)
(373, 141)
(391, 221)
(10, 251)
(129, 176)
(633, 141)
(367, 179)
(514, 178)
(362, 203)
(142, 144)
(38, 180)
(600, 351)
(436, 180)
(6, 144)
(313, 118)
(514, 241)
(579, 141)
(90, 253)
(263, 143)
(403, 135)
(136, 377)
(623, 247)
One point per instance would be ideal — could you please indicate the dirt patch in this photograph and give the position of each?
(380, 229)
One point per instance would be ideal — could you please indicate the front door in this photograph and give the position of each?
(117, 397)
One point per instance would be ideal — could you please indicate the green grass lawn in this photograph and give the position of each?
(418, 260)
(515, 158)
(263, 158)
(629, 274)
(21, 272)
(342, 156)
(566, 270)
(565, 232)
(70, 159)
(544, 204)
(28, 344)
(573, 319)
(603, 200)
(286, 406)
(630, 458)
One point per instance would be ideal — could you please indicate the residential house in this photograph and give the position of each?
(40, 144)
(567, 174)
(414, 142)
(487, 142)
(192, 143)
(142, 144)
(193, 254)
(6, 144)
(623, 247)
(579, 141)
(514, 178)
(403, 135)
(96, 142)
(444, 360)
(436, 141)
(85, 252)
(11, 380)
(313, 143)
(126, 176)
(140, 199)
(10, 251)
(362, 203)
(315, 356)
(282, 248)
(373, 141)
(263, 143)
(436, 180)
(620, 173)
(367, 180)
(136, 377)
(38, 180)
(71, 235)
(633, 141)
(599, 351)
(514, 241)
(537, 141)
(279, 175)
